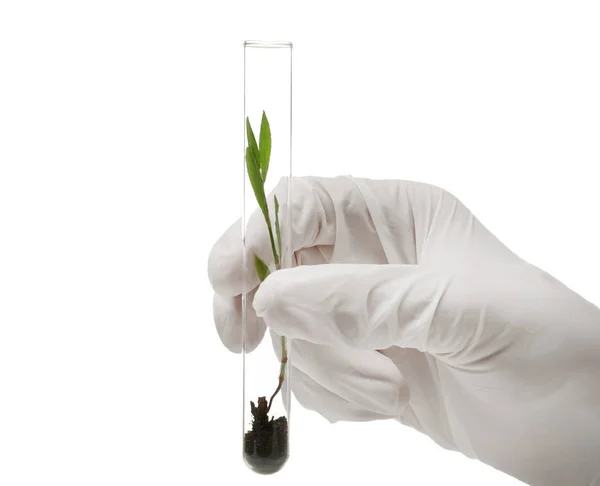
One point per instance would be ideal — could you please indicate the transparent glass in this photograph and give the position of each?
(266, 243)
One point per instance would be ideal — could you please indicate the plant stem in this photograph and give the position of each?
(275, 256)
(284, 359)
(284, 356)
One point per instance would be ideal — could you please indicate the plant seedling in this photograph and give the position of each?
(266, 444)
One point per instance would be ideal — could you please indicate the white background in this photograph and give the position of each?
(120, 139)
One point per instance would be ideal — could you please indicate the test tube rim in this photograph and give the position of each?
(261, 44)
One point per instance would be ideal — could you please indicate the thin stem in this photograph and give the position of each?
(269, 226)
(284, 359)
(284, 356)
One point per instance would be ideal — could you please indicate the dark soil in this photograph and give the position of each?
(266, 443)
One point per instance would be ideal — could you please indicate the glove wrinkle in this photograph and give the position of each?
(394, 251)
(356, 237)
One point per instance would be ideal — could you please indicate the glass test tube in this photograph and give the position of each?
(266, 235)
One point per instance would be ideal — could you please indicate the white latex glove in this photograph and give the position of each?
(403, 305)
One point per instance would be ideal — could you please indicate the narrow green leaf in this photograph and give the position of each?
(256, 181)
(265, 146)
(259, 192)
(254, 174)
(277, 229)
(262, 270)
(252, 141)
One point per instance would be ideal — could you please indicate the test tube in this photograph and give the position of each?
(266, 217)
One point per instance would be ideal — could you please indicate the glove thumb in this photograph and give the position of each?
(359, 305)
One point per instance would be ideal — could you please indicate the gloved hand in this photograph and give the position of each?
(403, 305)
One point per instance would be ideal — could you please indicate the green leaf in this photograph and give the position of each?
(277, 229)
(254, 174)
(265, 146)
(256, 181)
(252, 141)
(262, 270)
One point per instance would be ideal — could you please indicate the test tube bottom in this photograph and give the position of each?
(266, 443)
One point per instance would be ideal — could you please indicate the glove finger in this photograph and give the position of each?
(227, 313)
(361, 306)
(312, 222)
(364, 378)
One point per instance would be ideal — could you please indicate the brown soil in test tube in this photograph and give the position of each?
(266, 443)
